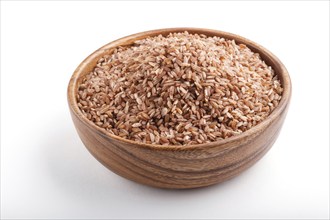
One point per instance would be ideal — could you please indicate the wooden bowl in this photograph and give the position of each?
(179, 166)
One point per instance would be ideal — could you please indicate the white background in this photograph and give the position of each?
(46, 172)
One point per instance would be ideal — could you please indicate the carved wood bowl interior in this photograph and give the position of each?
(172, 166)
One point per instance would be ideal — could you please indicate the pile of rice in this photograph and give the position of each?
(179, 89)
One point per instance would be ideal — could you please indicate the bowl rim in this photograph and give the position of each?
(128, 40)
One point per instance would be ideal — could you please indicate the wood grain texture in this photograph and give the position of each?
(179, 167)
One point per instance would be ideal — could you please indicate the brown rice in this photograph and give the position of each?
(179, 89)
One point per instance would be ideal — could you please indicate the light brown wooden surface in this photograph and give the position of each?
(179, 166)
